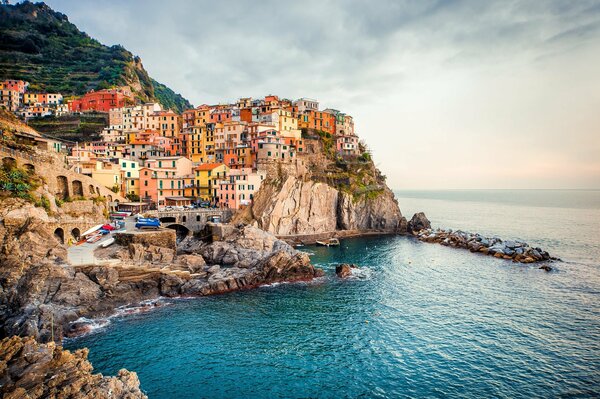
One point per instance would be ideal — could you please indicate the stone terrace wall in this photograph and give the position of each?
(60, 182)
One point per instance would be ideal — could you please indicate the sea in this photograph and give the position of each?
(416, 320)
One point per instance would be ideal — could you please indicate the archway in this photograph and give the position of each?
(9, 163)
(110, 198)
(92, 191)
(59, 233)
(97, 190)
(62, 187)
(29, 167)
(75, 233)
(77, 188)
(168, 219)
(180, 230)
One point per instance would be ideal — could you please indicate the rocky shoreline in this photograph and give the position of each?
(517, 251)
(29, 369)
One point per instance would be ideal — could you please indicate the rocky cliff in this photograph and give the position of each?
(42, 295)
(323, 193)
(31, 370)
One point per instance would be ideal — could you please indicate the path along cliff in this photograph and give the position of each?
(323, 194)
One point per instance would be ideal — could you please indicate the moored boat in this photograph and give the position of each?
(332, 242)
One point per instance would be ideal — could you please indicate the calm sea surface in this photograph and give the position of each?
(418, 320)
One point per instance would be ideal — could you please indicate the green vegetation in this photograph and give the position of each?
(168, 98)
(41, 46)
(355, 175)
(18, 183)
(132, 197)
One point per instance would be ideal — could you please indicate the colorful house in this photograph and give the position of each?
(239, 188)
(207, 176)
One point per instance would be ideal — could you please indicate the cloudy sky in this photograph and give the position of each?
(448, 94)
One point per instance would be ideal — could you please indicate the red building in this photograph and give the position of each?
(101, 101)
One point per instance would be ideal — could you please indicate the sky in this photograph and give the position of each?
(447, 94)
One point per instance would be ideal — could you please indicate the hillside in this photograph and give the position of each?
(40, 45)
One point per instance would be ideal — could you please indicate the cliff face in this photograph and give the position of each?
(29, 369)
(322, 193)
(300, 207)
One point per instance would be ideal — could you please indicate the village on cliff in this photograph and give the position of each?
(209, 156)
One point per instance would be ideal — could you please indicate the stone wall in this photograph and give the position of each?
(59, 181)
(165, 238)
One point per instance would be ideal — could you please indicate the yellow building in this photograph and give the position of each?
(108, 174)
(207, 177)
(131, 186)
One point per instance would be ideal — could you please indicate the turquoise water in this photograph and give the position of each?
(418, 320)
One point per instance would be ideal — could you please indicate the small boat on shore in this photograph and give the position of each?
(92, 230)
(108, 242)
(94, 238)
(332, 242)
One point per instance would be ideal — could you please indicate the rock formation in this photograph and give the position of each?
(344, 270)
(32, 370)
(517, 251)
(324, 195)
(418, 222)
(41, 294)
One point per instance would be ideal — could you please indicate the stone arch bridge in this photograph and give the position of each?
(190, 220)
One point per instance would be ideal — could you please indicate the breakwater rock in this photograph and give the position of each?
(29, 369)
(344, 270)
(517, 251)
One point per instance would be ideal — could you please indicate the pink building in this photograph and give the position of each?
(239, 188)
(347, 145)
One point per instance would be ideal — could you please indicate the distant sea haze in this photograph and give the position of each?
(415, 320)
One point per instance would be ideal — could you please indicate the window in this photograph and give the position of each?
(124, 164)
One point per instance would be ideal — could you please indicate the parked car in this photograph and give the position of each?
(205, 204)
(144, 223)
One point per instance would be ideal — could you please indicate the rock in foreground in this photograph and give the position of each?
(29, 369)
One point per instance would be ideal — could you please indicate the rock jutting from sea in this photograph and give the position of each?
(514, 250)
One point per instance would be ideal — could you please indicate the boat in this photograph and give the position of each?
(108, 242)
(94, 238)
(92, 230)
(332, 242)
